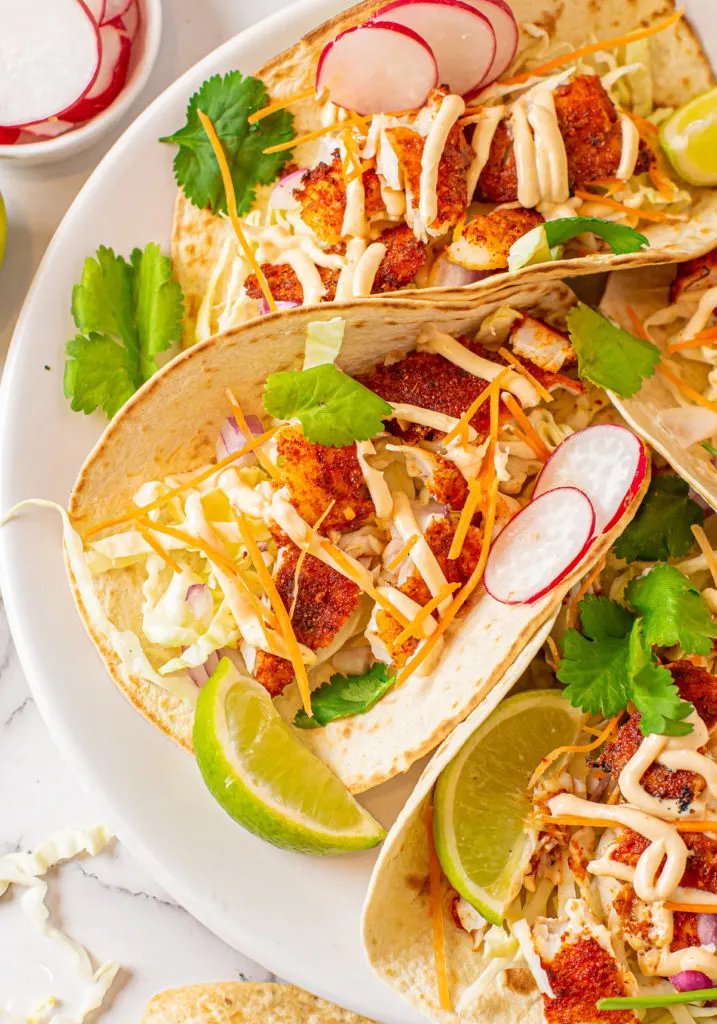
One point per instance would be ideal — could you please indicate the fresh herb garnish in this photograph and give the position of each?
(621, 238)
(662, 526)
(333, 408)
(709, 448)
(657, 1001)
(608, 355)
(611, 661)
(344, 696)
(229, 102)
(127, 312)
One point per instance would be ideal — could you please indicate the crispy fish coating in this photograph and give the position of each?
(591, 131)
(541, 344)
(581, 973)
(485, 241)
(285, 286)
(405, 255)
(700, 272)
(316, 475)
(322, 196)
(447, 484)
(325, 600)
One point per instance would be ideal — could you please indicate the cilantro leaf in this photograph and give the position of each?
(709, 448)
(333, 408)
(673, 610)
(653, 690)
(662, 525)
(621, 238)
(595, 666)
(228, 102)
(127, 313)
(344, 696)
(607, 355)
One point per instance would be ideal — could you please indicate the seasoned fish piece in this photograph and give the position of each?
(322, 195)
(534, 340)
(285, 286)
(405, 255)
(485, 241)
(700, 272)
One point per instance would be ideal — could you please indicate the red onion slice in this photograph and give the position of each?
(691, 981)
(279, 305)
(231, 439)
(200, 675)
(282, 194)
(201, 605)
(707, 929)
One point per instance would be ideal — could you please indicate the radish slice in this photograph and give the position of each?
(607, 462)
(282, 194)
(505, 27)
(115, 9)
(96, 9)
(114, 67)
(49, 129)
(540, 546)
(49, 57)
(377, 69)
(8, 136)
(462, 39)
(130, 21)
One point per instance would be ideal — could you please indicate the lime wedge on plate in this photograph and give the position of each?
(481, 799)
(266, 779)
(689, 137)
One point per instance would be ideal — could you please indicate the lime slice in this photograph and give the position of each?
(3, 228)
(689, 138)
(266, 779)
(532, 247)
(481, 800)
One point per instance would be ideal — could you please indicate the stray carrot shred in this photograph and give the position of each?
(157, 547)
(473, 408)
(531, 435)
(570, 749)
(637, 324)
(685, 388)
(309, 137)
(403, 553)
(584, 587)
(304, 552)
(435, 901)
(414, 626)
(656, 215)
(662, 183)
(696, 341)
(467, 513)
(525, 372)
(240, 418)
(271, 108)
(691, 908)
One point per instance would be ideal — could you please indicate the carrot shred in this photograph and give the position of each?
(473, 408)
(606, 44)
(271, 108)
(580, 820)
(655, 215)
(304, 552)
(611, 184)
(584, 587)
(143, 510)
(525, 372)
(404, 552)
(309, 137)
(662, 183)
(467, 513)
(706, 548)
(339, 557)
(691, 908)
(529, 432)
(570, 749)
(263, 458)
(647, 129)
(157, 547)
(414, 626)
(435, 903)
(637, 324)
(685, 388)
(232, 208)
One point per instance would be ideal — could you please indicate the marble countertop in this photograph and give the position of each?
(109, 903)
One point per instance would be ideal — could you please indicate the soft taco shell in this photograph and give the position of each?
(680, 71)
(235, 1002)
(647, 291)
(170, 426)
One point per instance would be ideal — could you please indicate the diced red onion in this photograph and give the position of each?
(200, 675)
(707, 929)
(691, 981)
(282, 194)
(279, 305)
(423, 513)
(699, 500)
(231, 438)
(200, 602)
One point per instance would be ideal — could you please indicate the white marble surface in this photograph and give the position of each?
(109, 902)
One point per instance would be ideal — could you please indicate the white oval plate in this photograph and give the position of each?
(298, 916)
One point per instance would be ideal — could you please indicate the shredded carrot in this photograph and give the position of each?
(709, 334)
(435, 902)
(352, 152)
(554, 652)
(285, 627)
(403, 553)
(579, 821)
(637, 324)
(584, 587)
(263, 458)
(662, 183)
(606, 44)
(647, 129)
(304, 552)
(157, 547)
(414, 626)
(361, 121)
(656, 215)
(611, 184)
(467, 513)
(143, 510)
(494, 426)
(685, 388)
(271, 108)
(340, 558)
(531, 435)
(696, 341)
(691, 908)
(570, 749)
(706, 549)
(232, 208)
(473, 408)
(525, 372)
(299, 140)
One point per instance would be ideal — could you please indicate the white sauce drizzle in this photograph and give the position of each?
(525, 157)
(354, 222)
(481, 142)
(420, 554)
(450, 110)
(630, 148)
(427, 418)
(355, 249)
(374, 480)
(410, 608)
(551, 160)
(305, 269)
(367, 268)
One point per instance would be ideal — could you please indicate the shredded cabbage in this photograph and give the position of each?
(221, 632)
(641, 93)
(323, 341)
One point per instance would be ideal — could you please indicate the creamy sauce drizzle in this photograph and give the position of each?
(374, 480)
(450, 110)
(630, 148)
(355, 249)
(427, 418)
(305, 269)
(367, 268)
(420, 554)
(525, 156)
(551, 160)
(481, 142)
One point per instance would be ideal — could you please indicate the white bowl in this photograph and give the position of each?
(144, 54)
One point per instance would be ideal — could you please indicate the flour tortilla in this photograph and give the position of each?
(235, 1002)
(170, 426)
(647, 291)
(397, 930)
(680, 71)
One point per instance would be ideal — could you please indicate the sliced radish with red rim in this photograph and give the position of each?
(130, 20)
(49, 129)
(114, 68)
(59, 43)
(115, 9)
(377, 69)
(540, 546)
(505, 28)
(461, 37)
(96, 9)
(608, 462)
(282, 194)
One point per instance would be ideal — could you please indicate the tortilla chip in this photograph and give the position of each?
(235, 1002)
(680, 71)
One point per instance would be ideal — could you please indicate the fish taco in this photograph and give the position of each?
(556, 860)
(527, 140)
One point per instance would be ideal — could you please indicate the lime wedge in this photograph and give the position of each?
(689, 138)
(481, 800)
(532, 247)
(266, 779)
(3, 228)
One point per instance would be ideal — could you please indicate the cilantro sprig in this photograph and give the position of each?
(229, 102)
(621, 238)
(344, 696)
(662, 526)
(333, 408)
(127, 313)
(611, 661)
(607, 355)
